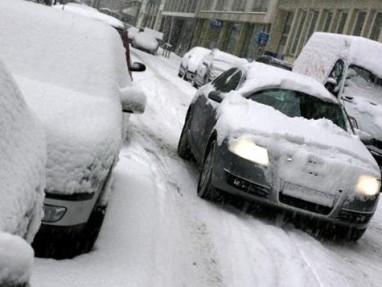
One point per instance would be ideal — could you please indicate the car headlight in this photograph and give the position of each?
(247, 149)
(53, 213)
(368, 185)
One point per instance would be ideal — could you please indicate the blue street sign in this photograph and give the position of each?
(262, 38)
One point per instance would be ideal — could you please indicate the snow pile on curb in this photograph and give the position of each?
(16, 260)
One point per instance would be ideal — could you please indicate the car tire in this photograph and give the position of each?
(184, 150)
(355, 234)
(205, 188)
(180, 74)
(68, 243)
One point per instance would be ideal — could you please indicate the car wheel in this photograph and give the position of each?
(205, 188)
(184, 150)
(180, 74)
(66, 243)
(92, 228)
(355, 234)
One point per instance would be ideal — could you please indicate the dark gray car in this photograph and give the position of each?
(300, 127)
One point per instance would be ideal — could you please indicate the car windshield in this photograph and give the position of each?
(297, 104)
(360, 81)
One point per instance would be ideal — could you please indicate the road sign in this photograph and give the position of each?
(262, 38)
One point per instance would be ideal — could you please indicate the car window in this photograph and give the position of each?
(228, 81)
(337, 71)
(297, 104)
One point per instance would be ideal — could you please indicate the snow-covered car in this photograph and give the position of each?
(132, 32)
(279, 138)
(77, 83)
(274, 62)
(22, 182)
(92, 13)
(215, 63)
(351, 69)
(146, 42)
(191, 61)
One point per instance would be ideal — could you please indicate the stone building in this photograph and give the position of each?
(296, 20)
(230, 25)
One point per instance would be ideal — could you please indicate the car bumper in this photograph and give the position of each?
(248, 181)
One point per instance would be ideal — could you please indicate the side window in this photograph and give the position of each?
(228, 81)
(337, 71)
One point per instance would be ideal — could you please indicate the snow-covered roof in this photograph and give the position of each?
(23, 159)
(72, 79)
(323, 49)
(260, 75)
(90, 12)
(227, 58)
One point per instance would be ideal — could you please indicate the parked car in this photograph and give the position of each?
(92, 13)
(22, 182)
(78, 91)
(145, 41)
(274, 62)
(191, 61)
(350, 68)
(215, 63)
(279, 138)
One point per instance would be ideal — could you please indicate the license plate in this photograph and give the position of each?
(308, 194)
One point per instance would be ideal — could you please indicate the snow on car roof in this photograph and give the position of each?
(228, 58)
(260, 75)
(71, 70)
(330, 47)
(90, 12)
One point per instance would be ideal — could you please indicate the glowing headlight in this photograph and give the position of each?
(246, 148)
(368, 185)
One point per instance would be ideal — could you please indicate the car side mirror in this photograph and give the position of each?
(137, 67)
(133, 100)
(332, 86)
(215, 96)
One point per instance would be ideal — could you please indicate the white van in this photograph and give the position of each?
(351, 68)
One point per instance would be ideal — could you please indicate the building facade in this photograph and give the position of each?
(230, 25)
(296, 20)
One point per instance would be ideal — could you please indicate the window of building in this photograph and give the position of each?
(377, 27)
(239, 5)
(342, 17)
(359, 22)
(222, 5)
(327, 20)
(260, 5)
(297, 36)
(312, 25)
(287, 26)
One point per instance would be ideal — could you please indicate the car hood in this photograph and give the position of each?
(237, 115)
(83, 133)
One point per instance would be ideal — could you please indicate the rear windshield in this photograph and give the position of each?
(297, 104)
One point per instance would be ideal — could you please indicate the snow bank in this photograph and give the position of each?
(71, 71)
(16, 260)
(320, 151)
(90, 12)
(23, 158)
(261, 75)
(145, 41)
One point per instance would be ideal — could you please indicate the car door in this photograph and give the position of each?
(204, 110)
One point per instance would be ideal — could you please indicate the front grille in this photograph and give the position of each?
(354, 217)
(247, 186)
(303, 204)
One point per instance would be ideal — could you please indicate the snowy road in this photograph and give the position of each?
(159, 233)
